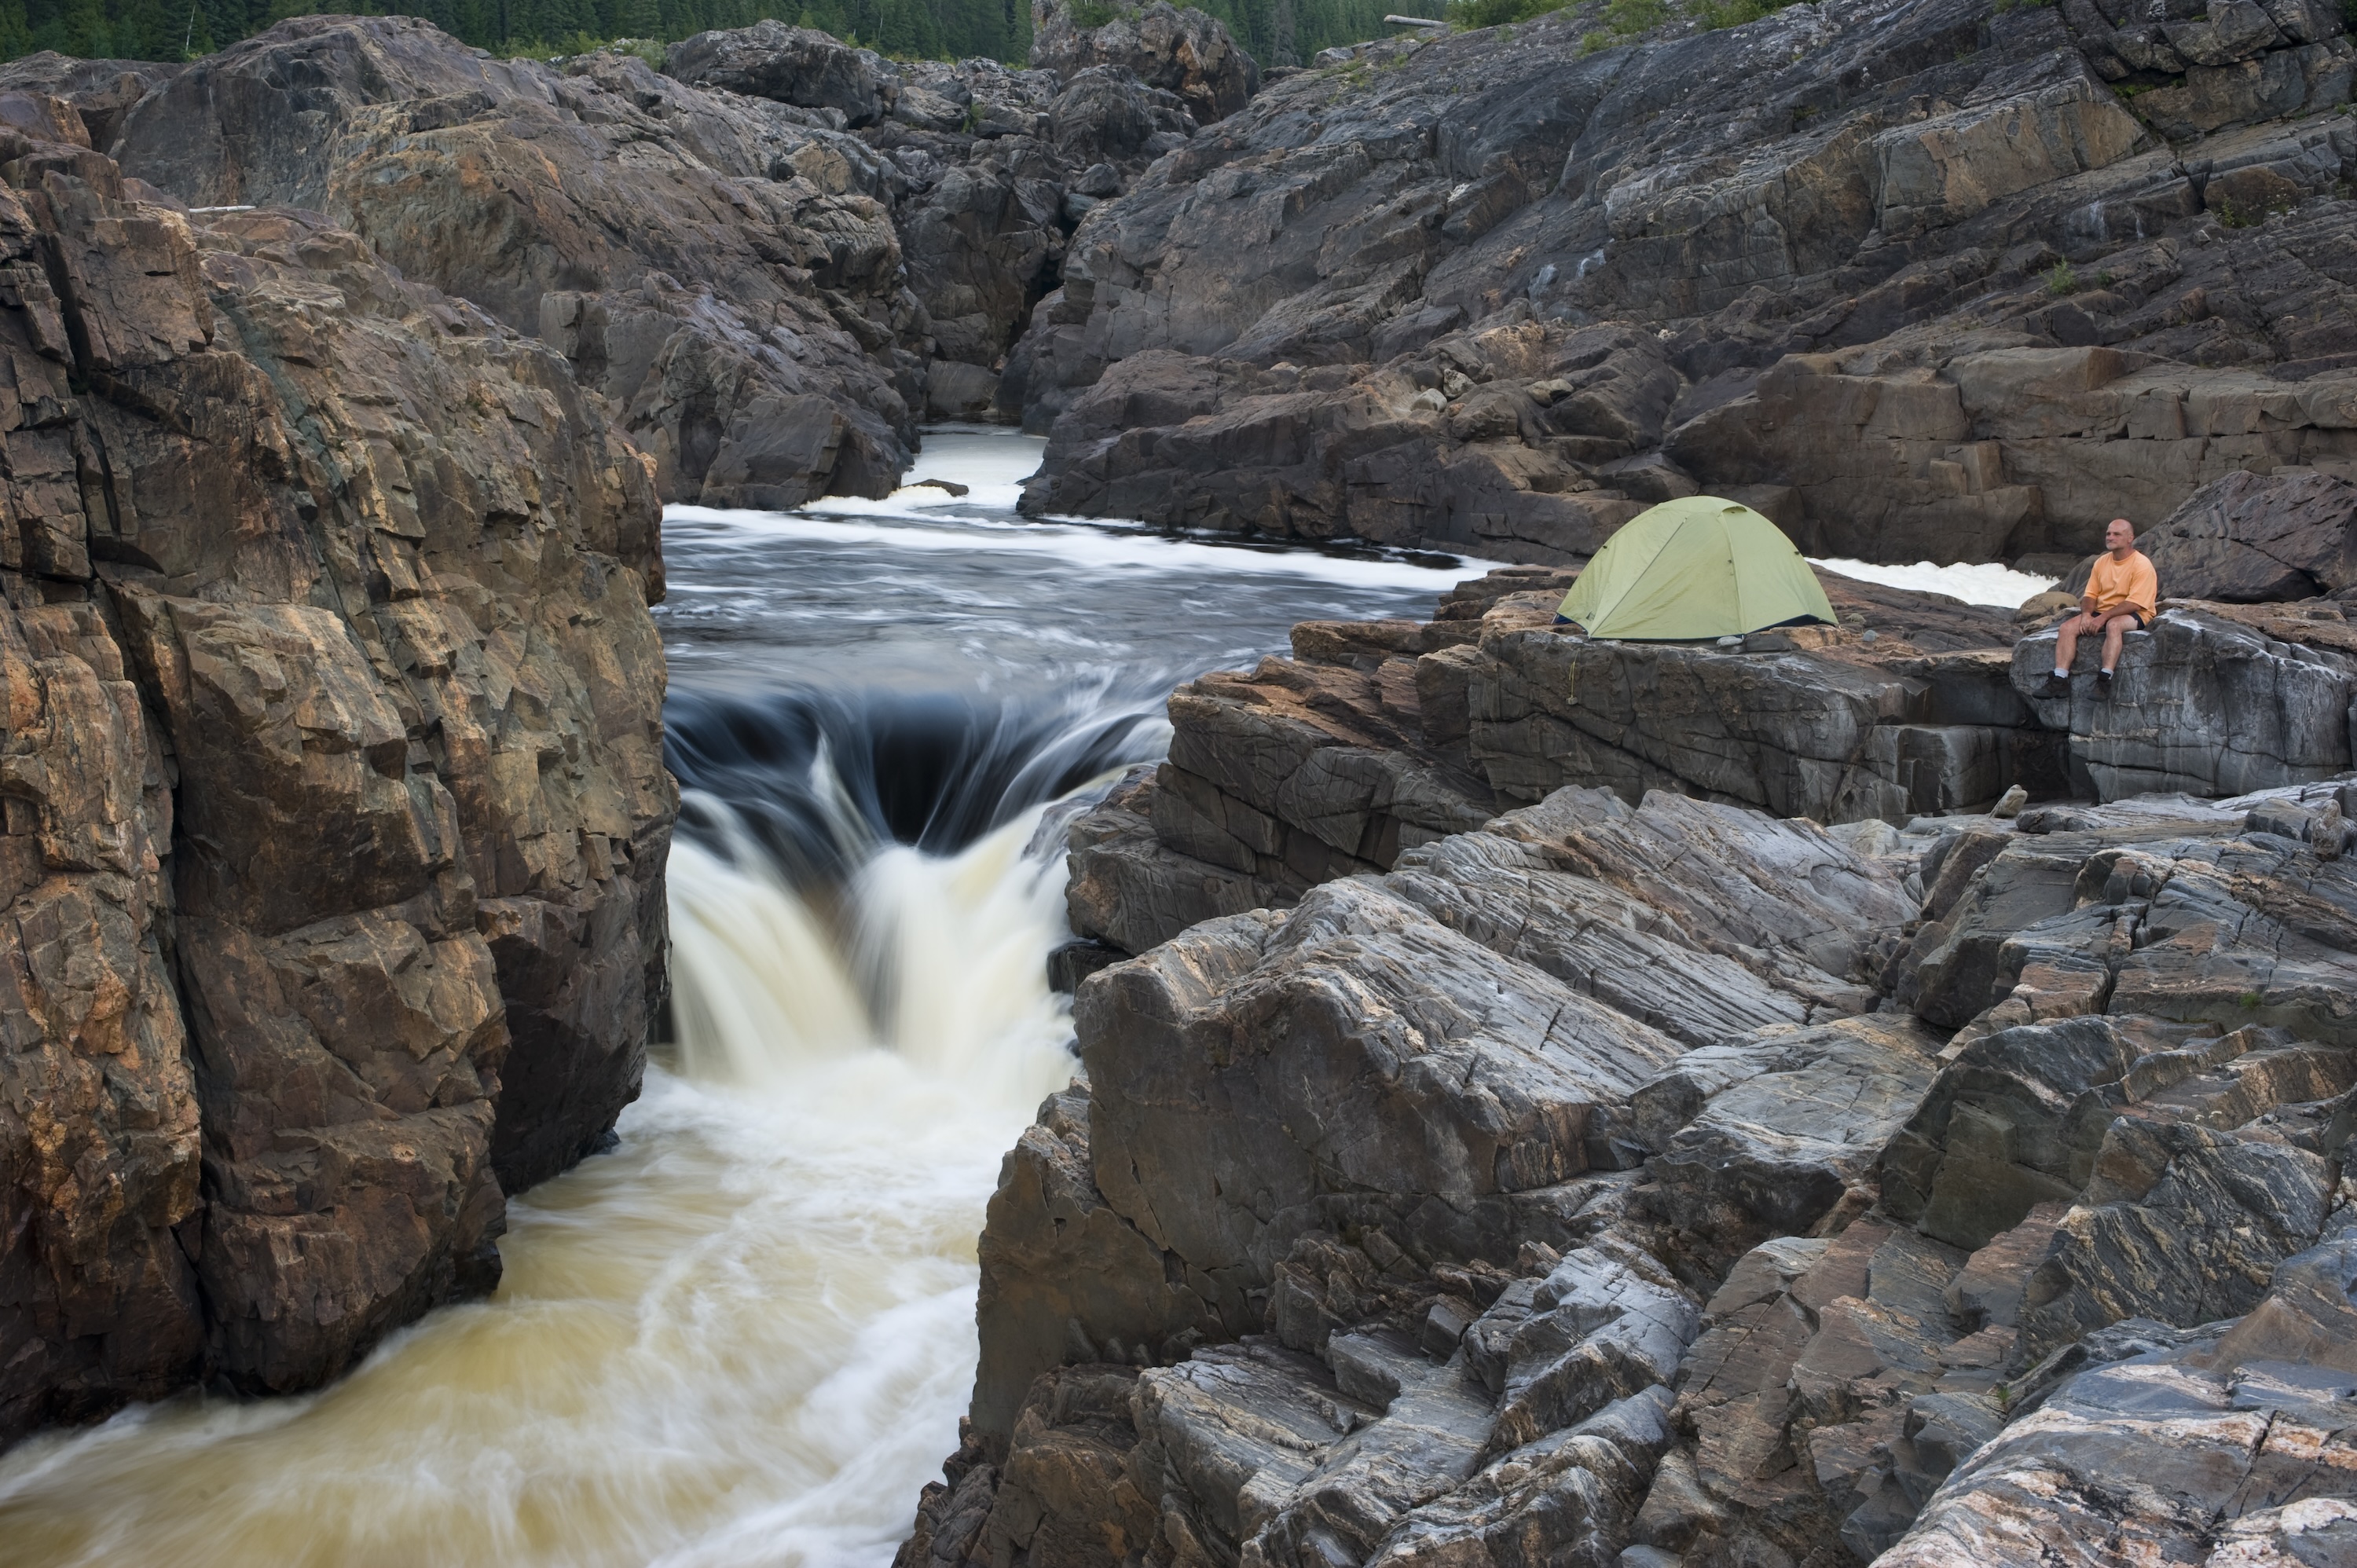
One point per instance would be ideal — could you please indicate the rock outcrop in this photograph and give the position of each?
(722, 270)
(1929, 281)
(1179, 50)
(335, 810)
(2255, 539)
(1381, 736)
(1524, 1135)
(771, 260)
(1678, 1185)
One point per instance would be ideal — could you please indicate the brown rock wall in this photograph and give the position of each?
(334, 793)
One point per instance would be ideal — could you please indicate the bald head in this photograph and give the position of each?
(2119, 537)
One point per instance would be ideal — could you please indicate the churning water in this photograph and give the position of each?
(745, 1337)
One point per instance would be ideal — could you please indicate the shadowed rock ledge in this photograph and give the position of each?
(335, 810)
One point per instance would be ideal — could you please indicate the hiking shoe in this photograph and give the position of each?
(2056, 685)
(2103, 684)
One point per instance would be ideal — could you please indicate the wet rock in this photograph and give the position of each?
(1064, 1276)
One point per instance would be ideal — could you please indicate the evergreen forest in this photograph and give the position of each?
(1277, 32)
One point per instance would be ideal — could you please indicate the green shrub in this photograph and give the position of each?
(1092, 12)
(2062, 278)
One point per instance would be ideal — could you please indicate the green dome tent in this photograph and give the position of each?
(1694, 568)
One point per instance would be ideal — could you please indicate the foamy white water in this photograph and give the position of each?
(1991, 584)
(744, 1338)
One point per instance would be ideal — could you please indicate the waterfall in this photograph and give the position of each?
(745, 1336)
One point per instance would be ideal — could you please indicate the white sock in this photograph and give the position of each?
(2061, 674)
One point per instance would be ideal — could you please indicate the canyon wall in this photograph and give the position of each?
(352, 365)
(1936, 281)
(769, 259)
(334, 809)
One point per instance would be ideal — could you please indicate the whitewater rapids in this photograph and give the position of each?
(745, 1336)
(741, 1337)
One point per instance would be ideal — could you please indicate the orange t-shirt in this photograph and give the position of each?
(2131, 584)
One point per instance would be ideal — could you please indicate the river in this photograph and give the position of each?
(745, 1336)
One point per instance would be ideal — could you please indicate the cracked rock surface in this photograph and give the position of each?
(335, 810)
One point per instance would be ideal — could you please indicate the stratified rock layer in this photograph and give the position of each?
(719, 268)
(1617, 1185)
(1925, 281)
(336, 816)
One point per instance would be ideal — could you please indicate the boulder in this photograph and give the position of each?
(1179, 50)
(2251, 537)
(801, 65)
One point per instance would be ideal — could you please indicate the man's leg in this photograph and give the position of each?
(2115, 631)
(2066, 646)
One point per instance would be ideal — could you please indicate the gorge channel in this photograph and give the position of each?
(745, 1334)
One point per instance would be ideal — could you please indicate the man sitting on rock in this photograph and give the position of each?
(2122, 592)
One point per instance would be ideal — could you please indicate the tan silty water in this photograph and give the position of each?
(745, 1337)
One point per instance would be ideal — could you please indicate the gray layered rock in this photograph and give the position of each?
(2250, 538)
(1940, 1116)
(723, 270)
(1379, 737)
(2201, 704)
(326, 601)
(1440, 1094)
(2219, 1446)
(2013, 277)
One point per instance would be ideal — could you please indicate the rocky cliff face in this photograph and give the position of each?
(768, 260)
(335, 812)
(1919, 281)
